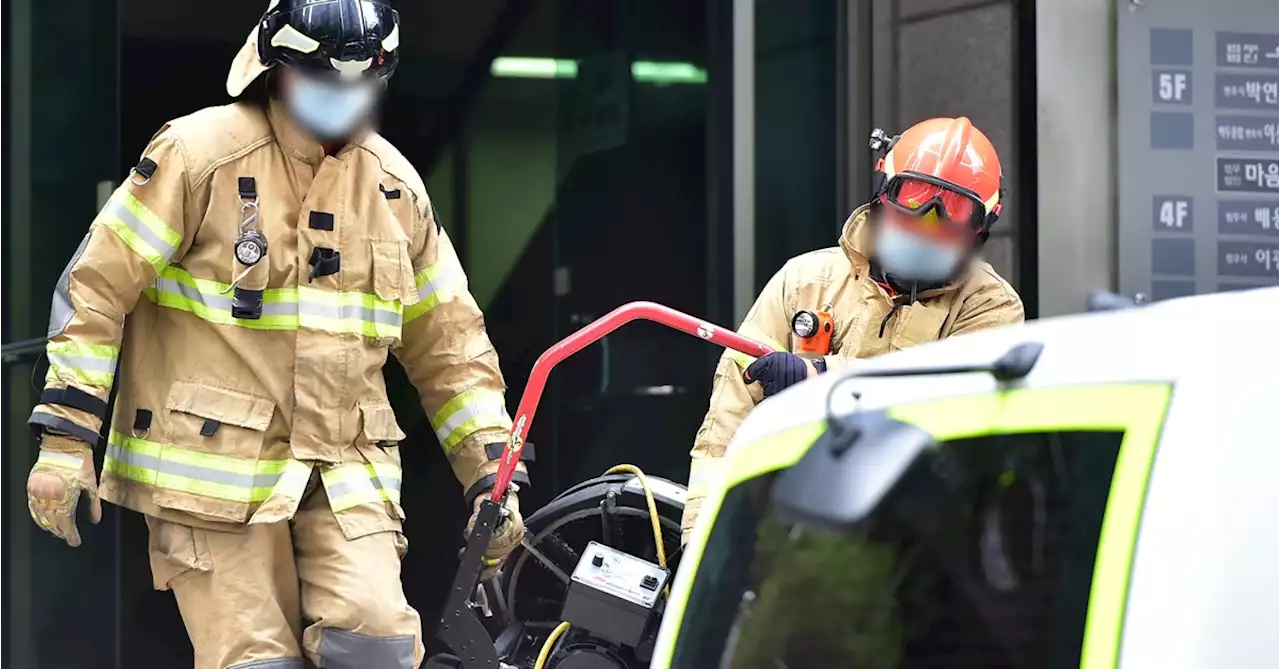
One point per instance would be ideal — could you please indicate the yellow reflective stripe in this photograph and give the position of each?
(349, 312)
(203, 474)
(168, 236)
(469, 411)
(98, 379)
(1138, 409)
(282, 308)
(60, 460)
(753, 459)
(140, 229)
(742, 359)
(435, 284)
(293, 480)
(770, 453)
(83, 349)
(88, 364)
(353, 484)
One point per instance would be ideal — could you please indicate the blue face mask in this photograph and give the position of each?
(330, 110)
(913, 258)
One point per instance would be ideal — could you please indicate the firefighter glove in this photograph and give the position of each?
(778, 371)
(506, 536)
(62, 472)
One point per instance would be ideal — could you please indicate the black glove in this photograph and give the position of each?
(777, 371)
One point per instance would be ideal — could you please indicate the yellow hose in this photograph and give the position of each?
(653, 507)
(657, 539)
(550, 643)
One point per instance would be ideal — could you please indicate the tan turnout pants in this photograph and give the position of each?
(262, 598)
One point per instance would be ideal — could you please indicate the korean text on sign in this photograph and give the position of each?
(1259, 259)
(1245, 133)
(1246, 91)
(1249, 217)
(1247, 50)
(1248, 175)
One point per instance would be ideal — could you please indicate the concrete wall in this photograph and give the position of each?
(957, 59)
(1076, 108)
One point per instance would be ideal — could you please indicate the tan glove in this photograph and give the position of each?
(63, 471)
(508, 534)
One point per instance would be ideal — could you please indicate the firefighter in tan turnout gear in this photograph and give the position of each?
(245, 284)
(906, 272)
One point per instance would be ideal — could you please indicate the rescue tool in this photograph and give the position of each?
(597, 590)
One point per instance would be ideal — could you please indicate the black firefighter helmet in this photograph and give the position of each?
(340, 39)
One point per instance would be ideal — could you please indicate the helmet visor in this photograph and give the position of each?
(933, 205)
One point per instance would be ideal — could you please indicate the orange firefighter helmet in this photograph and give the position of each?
(941, 170)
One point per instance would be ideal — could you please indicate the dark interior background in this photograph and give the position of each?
(565, 197)
(618, 217)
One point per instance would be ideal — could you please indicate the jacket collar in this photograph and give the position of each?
(857, 242)
(299, 143)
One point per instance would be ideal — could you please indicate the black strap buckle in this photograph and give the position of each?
(246, 304)
(248, 188)
(324, 262)
(495, 450)
(76, 399)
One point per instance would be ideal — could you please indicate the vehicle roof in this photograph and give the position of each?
(1224, 339)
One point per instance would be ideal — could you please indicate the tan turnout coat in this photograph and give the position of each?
(837, 279)
(221, 421)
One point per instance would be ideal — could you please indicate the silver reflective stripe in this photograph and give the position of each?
(60, 459)
(220, 302)
(192, 293)
(293, 482)
(82, 362)
(362, 486)
(279, 308)
(447, 277)
(705, 474)
(154, 464)
(481, 406)
(348, 311)
(135, 224)
(282, 663)
(63, 311)
(341, 649)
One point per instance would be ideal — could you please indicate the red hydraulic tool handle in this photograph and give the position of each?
(588, 335)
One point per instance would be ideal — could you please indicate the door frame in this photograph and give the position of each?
(1139, 409)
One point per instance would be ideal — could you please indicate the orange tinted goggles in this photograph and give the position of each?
(934, 203)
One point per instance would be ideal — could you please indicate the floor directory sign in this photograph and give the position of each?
(1199, 175)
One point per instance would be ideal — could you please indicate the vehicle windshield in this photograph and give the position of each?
(980, 556)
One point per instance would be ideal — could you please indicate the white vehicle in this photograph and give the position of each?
(1091, 491)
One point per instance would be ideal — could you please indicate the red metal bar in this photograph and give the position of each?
(589, 334)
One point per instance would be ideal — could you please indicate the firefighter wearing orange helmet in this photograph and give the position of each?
(907, 271)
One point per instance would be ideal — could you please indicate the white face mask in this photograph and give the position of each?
(910, 257)
(330, 110)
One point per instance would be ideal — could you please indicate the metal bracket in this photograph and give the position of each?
(460, 630)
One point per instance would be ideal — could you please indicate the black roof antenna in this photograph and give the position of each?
(1014, 364)
(823, 489)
